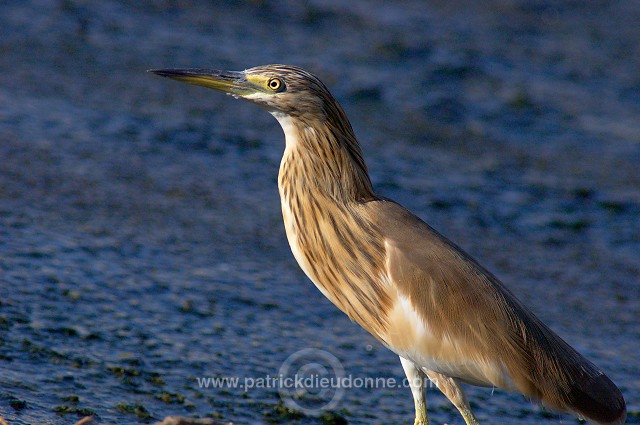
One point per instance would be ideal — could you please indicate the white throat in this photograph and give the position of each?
(290, 131)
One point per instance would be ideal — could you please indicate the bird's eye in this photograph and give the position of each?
(275, 84)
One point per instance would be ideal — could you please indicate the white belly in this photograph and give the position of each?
(411, 338)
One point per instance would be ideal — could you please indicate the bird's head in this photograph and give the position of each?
(312, 120)
(278, 88)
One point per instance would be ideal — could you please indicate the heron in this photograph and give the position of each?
(446, 316)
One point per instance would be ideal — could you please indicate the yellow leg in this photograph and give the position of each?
(451, 388)
(417, 381)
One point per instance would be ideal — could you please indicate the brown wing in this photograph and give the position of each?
(463, 303)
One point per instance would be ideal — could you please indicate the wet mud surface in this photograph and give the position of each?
(141, 242)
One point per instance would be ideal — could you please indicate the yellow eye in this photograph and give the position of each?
(275, 84)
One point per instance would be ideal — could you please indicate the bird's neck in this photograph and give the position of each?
(323, 182)
(325, 159)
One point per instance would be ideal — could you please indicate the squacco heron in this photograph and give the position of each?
(420, 295)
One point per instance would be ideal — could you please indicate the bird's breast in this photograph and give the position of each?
(302, 258)
(344, 261)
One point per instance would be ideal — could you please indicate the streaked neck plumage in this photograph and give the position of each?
(323, 183)
(324, 156)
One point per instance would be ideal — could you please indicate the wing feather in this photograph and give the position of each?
(464, 305)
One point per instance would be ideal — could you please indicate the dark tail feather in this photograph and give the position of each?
(598, 400)
(563, 380)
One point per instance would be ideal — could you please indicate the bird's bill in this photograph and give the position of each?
(232, 82)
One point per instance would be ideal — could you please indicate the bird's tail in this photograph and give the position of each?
(566, 381)
(597, 399)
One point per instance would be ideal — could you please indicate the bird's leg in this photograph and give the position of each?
(417, 378)
(451, 388)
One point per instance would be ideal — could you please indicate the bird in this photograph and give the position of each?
(447, 317)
